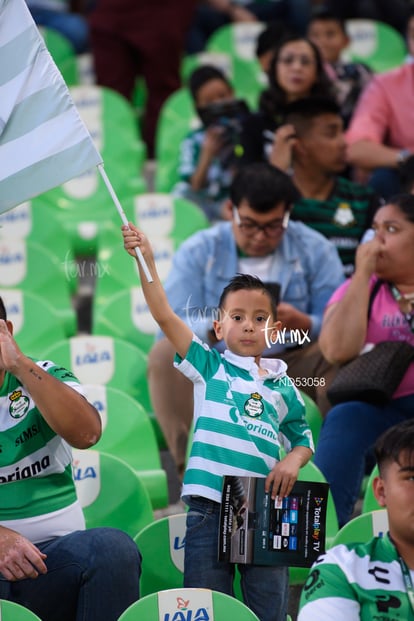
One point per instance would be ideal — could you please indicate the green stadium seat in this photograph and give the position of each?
(161, 544)
(120, 271)
(158, 214)
(363, 527)
(176, 119)
(36, 325)
(38, 222)
(29, 266)
(127, 433)
(110, 492)
(369, 502)
(167, 604)
(10, 611)
(236, 39)
(104, 360)
(313, 416)
(374, 43)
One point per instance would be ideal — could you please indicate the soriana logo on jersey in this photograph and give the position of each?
(185, 605)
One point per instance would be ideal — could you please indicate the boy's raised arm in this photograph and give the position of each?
(177, 332)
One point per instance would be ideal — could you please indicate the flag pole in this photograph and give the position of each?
(124, 219)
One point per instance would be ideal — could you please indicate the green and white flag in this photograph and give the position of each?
(43, 141)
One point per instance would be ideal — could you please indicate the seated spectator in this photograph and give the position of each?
(259, 241)
(207, 154)
(312, 147)
(212, 14)
(328, 33)
(296, 71)
(381, 131)
(371, 580)
(60, 15)
(131, 39)
(351, 428)
(268, 42)
(49, 563)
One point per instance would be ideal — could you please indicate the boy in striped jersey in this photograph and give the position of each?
(242, 406)
(373, 580)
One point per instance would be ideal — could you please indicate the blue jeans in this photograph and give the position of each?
(385, 182)
(70, 25)
(93, 575)
(348, 434)
(265, 589)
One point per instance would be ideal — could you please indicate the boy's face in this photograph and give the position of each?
(395, 491)
(324, 143)
(245, 320)
(213, 91)
(329, 37)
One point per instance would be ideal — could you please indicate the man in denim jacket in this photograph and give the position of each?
(259, 240)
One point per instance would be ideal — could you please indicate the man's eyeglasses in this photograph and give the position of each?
(289, 59)
(251, 227)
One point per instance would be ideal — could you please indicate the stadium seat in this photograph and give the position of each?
(27, 265)
(10, 611)
(36, 325)
(126, 315)
(236, 39)
(38, 222)
(313, 416)
(110, 492)
(127, 433)
(193, 603)
(104, 360)
(118, 270)
(161, 544)
(176, 119)
(158, 214)
(363, 527)
(374, 43)
(369, 502)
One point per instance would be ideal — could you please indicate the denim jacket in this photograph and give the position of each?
(305, 264)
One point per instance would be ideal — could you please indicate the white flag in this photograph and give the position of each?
(43, 141)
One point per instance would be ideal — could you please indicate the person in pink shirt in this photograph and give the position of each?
(381, 132)
(351, 428)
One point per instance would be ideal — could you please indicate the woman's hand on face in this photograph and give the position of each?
(282, 149)
(366, 257)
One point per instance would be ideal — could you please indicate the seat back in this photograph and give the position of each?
(161, 544)
(369, 502)
(110, 492)
(10, 611)
(36, 325)
(27, 265)
(104, 360)
(374, 43)
(188, 604)
(363, 527)
(127, 433)
(313, 416)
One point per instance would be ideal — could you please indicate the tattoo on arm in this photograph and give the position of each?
(35, 373)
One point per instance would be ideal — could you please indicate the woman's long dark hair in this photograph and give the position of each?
(273, 100)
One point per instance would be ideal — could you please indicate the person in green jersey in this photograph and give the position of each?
(49, 562)
(374, 579)
(243, 403)
(311, 146)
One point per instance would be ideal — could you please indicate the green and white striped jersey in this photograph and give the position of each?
(241, 419)
(35, 463)
(359, 581)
